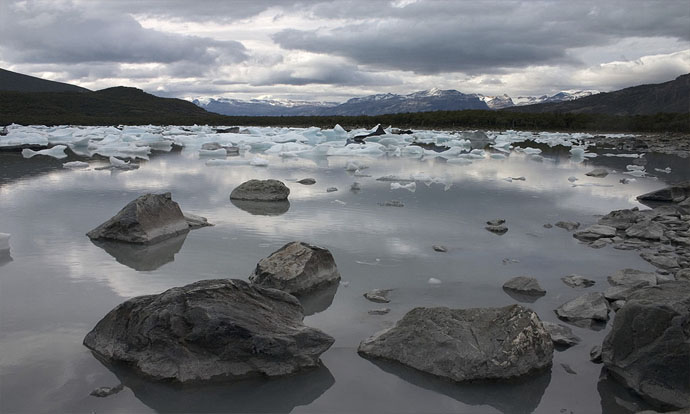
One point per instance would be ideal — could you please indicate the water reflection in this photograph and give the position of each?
(522, 396)
(319, 300)
(616, 399)
(5, 257)
(521, 297)
(143, 257)
(262, 208)
(256, 395)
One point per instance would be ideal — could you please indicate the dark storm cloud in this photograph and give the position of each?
(456, 36)
(39, 33)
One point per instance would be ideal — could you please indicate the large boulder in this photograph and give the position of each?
(296, 268)
(210, 329)
(648, 348)
(466, 344)
(148, 219)
(260, 190)
(672, 194)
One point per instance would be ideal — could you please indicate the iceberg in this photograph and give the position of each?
(57, 151)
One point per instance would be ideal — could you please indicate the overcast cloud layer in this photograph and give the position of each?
(314, 50)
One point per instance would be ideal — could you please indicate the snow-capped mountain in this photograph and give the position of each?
(388, 103)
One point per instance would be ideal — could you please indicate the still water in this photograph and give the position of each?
(56, 284)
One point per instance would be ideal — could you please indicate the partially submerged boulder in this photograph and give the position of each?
(585, 310)
(260, 190)
(210, 329)
(466, 344)
(148, 219)
(648, 347)
(675, 193)
(561, 335)
(296, 268)
(525, 285)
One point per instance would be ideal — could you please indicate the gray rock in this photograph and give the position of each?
(621, 219)
(355, 187)
(617, 304)
(646, 230)
(674, 193)
(683, 275)
(622, 292)
(148, 219)
(661, 260)
(595, 354)
(598, 173)
(568, 225)
(331, 189)
(599, 243)
(631, 277)
(307, 181)
(260, 190)
(392, 203)
(500, 230)
(568, 369)
(548, 225)
(439, 248)
(466, 344)
(594, 232)
(209, 329)
(577, 281)
(495, 222)
(296, 268)
(103, 392)
(647, 349)
(525, 285)
(561, 334)
(378, 295)
(585, 310)
(380, 311)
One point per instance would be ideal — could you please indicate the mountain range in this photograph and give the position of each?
(389, 103)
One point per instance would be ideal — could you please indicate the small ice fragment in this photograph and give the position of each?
(259, 162)
(409, 186)
(116, 162)
(344, 283)
(572, 178)
(434, 281)
(531, 151)
(4, 241)
(666, 170)
(57, 151)
(342, 203)
(75, 164)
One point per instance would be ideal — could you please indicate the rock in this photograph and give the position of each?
(296, 268)
(525, 285)
(617, 304)
(647, 348)
(598, 244)
(466, 344)
(622, 292)
(381, 311)
(568, 225)
(621, 219)
(561, 334)
(307, 181)
(260, 190)
(598, 173)
(392, 203)
(646, 230)
(660, 260)
(595, 354)
(548, 225)
(495, 222)
(103, 392)
(195, 221)
(631, 277)
(231, 130)
(355, 187)
(439, 248)
(672, 194)
(331, 189)
(585, 309)
(209, 329)
(568, 369)
(500, 230)
(148, 219)
(594, 232)
(577, 281)
(683, 275)
(378, 295)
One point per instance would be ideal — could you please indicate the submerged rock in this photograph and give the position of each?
(260, 190)
(466, 344)
(647, 348)
(148, 219)
(525, 285)
(598, 173)
(499, 229)
(568, 225)
(585, 310)
(296, 268)
(378, 295)
(210, 329)
(103, 392)
(307, 181)
(577, 281)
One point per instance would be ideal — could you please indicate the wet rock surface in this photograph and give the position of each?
(207, 330)
(561, 335)
(378, 295)
(466, 344)
(525, 285)
(577, 281)
(261, 190)
(296, 268)
(585, 310)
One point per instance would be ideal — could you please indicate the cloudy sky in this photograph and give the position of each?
(335, 50)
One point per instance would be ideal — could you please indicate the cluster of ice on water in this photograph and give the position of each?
(138, 142)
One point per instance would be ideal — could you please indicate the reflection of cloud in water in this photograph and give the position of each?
(518, 396)
(262, 208)
(318, 300)
(143, 257)
(256, 395)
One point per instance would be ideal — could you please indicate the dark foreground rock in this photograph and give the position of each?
(648, 347)
(260, 190)
(296, 268)
(466, 344)
(209, 329)
(148, 219)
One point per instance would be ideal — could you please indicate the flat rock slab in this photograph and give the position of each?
(577, 281)
(466, 344)
(632, 277)
(261, 190)
(568, 225)
(296, 268)
(560, 334)
(587, 309)
(525, 285)
(378, 295)
(594, 232)
(646, 229)
(148, 219)
(647, 349)
(208, 330)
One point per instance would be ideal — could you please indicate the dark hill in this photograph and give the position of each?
(667, 97)
(13, 81)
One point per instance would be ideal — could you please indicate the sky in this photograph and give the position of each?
(336, 50)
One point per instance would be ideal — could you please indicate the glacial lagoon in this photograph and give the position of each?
(55, 284)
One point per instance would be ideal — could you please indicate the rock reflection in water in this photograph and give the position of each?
(318, 300)
(5, 257)
(616, 399)
(254, 395)
(262, 208)
(520, 396)
(143, 257)
(521, 297)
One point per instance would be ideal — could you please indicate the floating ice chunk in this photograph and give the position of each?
(259, 162)
(409, 186)
(622, 155)
(342, 203)
(572, 178)
(434, 281)
(76, 164)
(354, 165)
(666, 170)
(498, 156)
(57, 151)
(577, 154)
(393, 177)
(4, 242)
(116, 162)
(478, 152)
(471, 156)
(390, 141)
(636, 173)
(530, 150)
(633, 167)
(218, 153)
(412, 151)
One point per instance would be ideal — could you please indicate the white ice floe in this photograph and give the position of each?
(434, 281)
(76, 165)
(409, 186)
(259, 162)
(355, 165)
(57, 151)
(623, 155)
(666, 170)
(4, 242)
